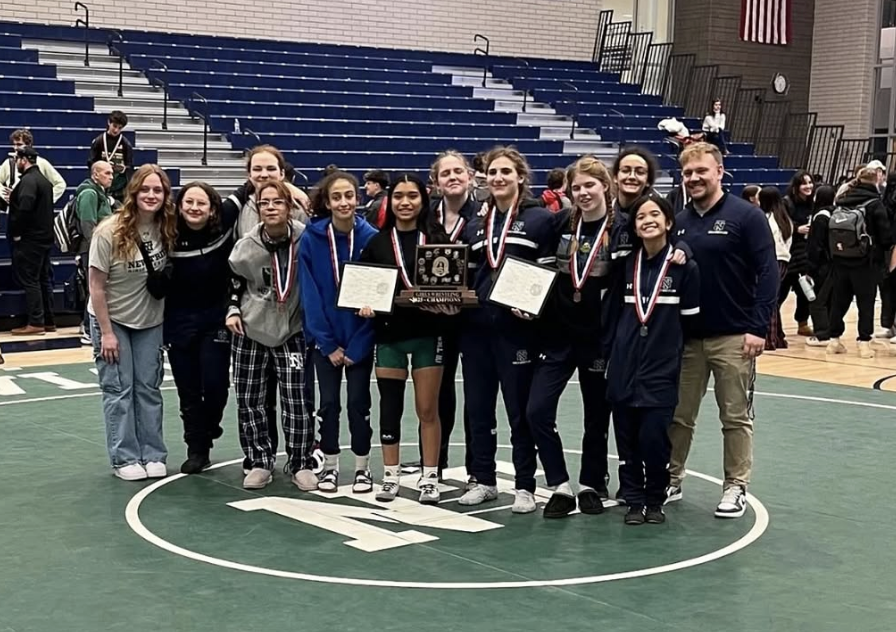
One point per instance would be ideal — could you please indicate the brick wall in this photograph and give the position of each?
(845, 50)
(544, 28)
(711, 30)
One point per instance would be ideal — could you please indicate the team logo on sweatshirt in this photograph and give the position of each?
(718, 228)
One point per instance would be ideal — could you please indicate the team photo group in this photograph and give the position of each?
(639, 306)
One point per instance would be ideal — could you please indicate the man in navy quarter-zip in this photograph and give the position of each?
(733, 246)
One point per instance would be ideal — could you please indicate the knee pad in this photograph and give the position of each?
(391, 410)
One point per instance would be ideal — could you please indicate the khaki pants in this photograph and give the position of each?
(734, 376)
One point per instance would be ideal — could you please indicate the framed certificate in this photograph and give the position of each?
(523, 285)
(367, 285)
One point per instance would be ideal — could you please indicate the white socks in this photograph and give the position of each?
(391, 472)
(566, 490)
(331, 462)
(431, 472)
(362, 462)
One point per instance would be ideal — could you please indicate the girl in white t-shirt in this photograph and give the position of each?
(772, 204)
(126, 322)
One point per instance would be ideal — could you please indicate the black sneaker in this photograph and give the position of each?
(654, 515)
(673, 493)
(196, 462)
(634, 516)
(559, 506)
(603, 492)
(590, 502)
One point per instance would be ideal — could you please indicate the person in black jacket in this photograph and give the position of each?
(818, 254)
(885, 280)
(799, 206)
(856, 271)
(195, 310)
(31, 233)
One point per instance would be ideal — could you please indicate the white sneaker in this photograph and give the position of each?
(835, 347)
(156, 470)
(478, 494)
(865, 350)
(134, 472)
(733, 503)
(429, 492)
(880, 332)
(812, 341)
(257, 478)
(523, 501)
(389, 491)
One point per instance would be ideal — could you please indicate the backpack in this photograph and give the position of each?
(552, 200)
(66, 227)
(848, 236)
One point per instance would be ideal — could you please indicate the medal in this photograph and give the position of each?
(579, 282)
(495, 257)
(114, 149)
(399, 257)
(454, 235)
(643, 315)
(283, 283)
(334, 255)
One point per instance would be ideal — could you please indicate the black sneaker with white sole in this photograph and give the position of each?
(733, 503)
(654, 515)
(634, 516)
(673, 493)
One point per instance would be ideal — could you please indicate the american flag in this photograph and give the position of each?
(765, 21)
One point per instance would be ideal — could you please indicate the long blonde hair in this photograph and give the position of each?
(591, 166)
(125, 235)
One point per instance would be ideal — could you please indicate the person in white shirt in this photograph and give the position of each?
(20, 139)
(714, 126)
(772, 204)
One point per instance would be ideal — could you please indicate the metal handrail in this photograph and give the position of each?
(257, 138)
(198, 97)
(116, 36)
(525, 81)
(478, 37)
(155, 63)
(86, 24)
(575, 115)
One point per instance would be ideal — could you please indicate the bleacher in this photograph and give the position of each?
(357, 107)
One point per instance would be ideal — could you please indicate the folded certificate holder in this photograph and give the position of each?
(440, 278)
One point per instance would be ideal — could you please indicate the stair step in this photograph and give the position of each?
(152, 118)
(149, 100)
(106, 73)
(533, 107)
(93, 87)
(214, 155)
(220, 172)
(597, 147)
(498, 94)
(76, 58)
(538, 119)
(457, 70)
(180, 144)
(476, 82)
(177, 132)
(88, 75)
(562, 133)
(56, 46)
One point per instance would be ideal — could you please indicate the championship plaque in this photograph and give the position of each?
(440, 278)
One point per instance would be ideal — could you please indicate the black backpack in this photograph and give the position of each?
(66, 227)
(847, 232)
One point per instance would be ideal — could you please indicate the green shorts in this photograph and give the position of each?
(424, 352)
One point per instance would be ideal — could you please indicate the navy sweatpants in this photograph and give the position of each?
(553, 370)
(642, 438)
(448, 402)
(493, 360)
(200, 364)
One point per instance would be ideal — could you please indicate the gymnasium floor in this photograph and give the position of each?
(84, 552)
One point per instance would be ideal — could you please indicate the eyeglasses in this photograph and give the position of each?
(269, 203)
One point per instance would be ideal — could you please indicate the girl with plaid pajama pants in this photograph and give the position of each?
(266, 321)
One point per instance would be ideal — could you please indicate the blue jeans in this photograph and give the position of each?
(132, 399)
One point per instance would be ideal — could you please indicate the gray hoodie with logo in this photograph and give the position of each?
(254, 297)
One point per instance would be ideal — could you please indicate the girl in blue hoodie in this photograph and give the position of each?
(340, 340)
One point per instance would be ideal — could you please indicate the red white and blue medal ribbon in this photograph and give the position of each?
(399, 257)
(644, 315)
(578, 282)
(454, 235)
(283, 283)
(334, 254)
(495, 257)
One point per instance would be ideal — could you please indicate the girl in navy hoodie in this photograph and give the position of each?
(646, 321)
(341, 341)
